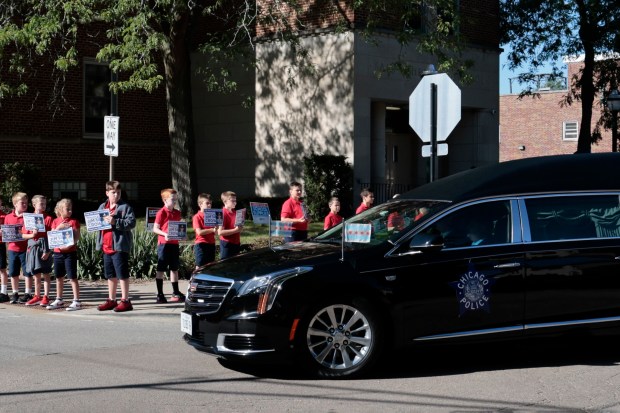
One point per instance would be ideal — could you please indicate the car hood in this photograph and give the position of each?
(265, 260)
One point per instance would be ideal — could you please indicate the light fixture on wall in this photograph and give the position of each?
(393, 108)
(521, 147)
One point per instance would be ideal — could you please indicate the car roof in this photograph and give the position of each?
(576, 172)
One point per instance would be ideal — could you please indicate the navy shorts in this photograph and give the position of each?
(46, 266)
(17, 260)
(2, 255)
(167, 257)
(65, 264)
(204, 253)
(228, 250)
(116, 265)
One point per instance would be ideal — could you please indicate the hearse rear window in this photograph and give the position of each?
(574, 217)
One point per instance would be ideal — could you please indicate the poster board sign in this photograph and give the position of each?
(240, 217)
(357, 233)
(34, 222)
(213, 217)
(260, 213)
(151, 213)
(177, 230)
(61, 238)
(304, 208)
(12, 233)
(94, 220)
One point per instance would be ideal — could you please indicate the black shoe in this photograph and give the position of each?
(4, 298)
(25, 298)
(161, 299)
(14, 298)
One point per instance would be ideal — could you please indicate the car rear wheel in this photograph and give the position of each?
(341, 339)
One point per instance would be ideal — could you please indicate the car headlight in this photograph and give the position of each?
(267, 286)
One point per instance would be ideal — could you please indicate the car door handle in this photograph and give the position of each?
(508, 265)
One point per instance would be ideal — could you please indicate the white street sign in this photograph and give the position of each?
(110, 135)
(442, 150)
(448, 107)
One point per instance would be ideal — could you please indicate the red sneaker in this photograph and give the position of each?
(108, 305)
(45, 301)
(124, 305)
(34, 300)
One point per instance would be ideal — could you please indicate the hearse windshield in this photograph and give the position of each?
(388, 221)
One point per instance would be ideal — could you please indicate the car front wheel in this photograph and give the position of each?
(341, 340)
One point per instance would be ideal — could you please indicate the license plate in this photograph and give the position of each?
(186, 323)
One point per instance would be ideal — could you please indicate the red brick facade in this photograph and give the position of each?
(34, 133)
(534, 126)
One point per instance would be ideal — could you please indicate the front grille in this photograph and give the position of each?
(207, 292)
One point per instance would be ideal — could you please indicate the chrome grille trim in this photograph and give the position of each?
(206, 293)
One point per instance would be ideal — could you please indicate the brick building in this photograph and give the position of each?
(343, 109)
(535, 127)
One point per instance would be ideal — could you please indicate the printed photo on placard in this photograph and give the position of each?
(61, 238)
(213, 217)
(94, 220)
(151, 213)
(177, 230)
(12, 233)
(34, 222)
(240, 217)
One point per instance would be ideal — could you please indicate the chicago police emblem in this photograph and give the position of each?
(473, 291)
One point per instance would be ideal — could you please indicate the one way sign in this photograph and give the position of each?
(110, 135)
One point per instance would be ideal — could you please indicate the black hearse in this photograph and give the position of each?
(507, 251)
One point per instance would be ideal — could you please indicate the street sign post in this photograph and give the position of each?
(110, 135)
(110, 140)
(434, 111)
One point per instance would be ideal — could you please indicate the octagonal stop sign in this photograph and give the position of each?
(448, 107)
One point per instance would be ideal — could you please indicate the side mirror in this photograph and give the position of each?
(427, 242)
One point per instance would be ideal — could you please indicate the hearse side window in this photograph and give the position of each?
(573, 217)
(486, 223)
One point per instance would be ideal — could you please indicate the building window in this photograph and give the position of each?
(570, 131)
(71, 190)
(98, 100)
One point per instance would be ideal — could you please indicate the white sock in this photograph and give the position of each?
(3, 289)
(27, 291)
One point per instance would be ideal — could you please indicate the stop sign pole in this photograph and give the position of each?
(434, 111)
(433, 159)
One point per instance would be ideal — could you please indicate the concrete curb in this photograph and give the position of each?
(141, 293)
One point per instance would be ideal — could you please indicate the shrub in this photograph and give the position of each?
(19, 177)
(326, 176)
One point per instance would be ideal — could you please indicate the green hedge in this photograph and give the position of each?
(142, 260)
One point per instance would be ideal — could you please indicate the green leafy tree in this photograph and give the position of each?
(544, 31)
(148, 44)
(18, 177)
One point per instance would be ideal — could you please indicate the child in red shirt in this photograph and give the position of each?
(204, 244)
(230, 234)
(65, 258)
(17, 249)
(333, 218)
(294, 211)
(37, 245)
(4, 277)
(167, 249)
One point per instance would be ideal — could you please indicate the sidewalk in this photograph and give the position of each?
(142, 294)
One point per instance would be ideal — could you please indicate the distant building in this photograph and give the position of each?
(532, 127)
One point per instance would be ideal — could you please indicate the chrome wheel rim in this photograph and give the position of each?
(339, 337)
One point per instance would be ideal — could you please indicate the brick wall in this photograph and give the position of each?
(50, 136)
(537, 125)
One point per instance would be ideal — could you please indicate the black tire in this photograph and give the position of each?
(340, 339)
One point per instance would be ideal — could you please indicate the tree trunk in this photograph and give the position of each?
(584, 142)
(180, 119)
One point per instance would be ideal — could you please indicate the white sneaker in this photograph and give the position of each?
(75, 305)
(57, 303)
